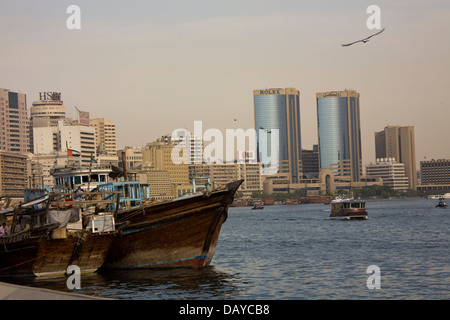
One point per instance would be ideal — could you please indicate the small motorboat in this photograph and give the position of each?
(257, 206)
(442, 203)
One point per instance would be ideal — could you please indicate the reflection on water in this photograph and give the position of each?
(297, 252)
(146, 284)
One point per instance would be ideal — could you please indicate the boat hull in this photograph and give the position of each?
(180, 233)
(86, 252)
(18, 252)
(351, 214)
(17, 258)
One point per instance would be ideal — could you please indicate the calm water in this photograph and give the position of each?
(297, 252)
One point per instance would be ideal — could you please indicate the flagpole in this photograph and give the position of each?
(67, 150)
(90, 169)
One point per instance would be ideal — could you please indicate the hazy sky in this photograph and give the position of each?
(155, 66)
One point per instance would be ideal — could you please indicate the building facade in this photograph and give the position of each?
(398, 143)
(14, 122)
(132, 156)
(310, 162)
(278, 110)
(48, 140)
(339, 131)
(13, 174)
(222, 173)
(105, 135)
(392, 173)
(48, 110)
(159, 156)
(435, 172)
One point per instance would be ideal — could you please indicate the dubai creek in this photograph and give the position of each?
(289, 252)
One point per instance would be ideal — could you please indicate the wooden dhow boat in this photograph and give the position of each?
(57, 231)
(19, 248)
(179, 233)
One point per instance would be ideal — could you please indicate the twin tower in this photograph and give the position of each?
(339, 130)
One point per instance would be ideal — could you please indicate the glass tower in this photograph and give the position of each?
(279, 109)
(339, 132)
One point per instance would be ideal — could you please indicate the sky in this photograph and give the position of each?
(155, 66)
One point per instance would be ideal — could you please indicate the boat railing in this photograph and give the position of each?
(24, 234)
(131, 193)
(110, 199)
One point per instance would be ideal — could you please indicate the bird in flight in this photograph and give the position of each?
(363, 40)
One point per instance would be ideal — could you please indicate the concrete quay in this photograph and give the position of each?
(15, 292)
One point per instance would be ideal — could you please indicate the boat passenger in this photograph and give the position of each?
(79, 191)
(3, 231)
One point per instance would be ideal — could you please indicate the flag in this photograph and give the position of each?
(93, 160)
(73, 153)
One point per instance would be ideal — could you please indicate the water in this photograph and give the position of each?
(297, 252)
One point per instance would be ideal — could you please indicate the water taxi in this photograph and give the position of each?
(348, 209)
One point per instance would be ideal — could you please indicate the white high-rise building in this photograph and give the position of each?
(66, 136)
(392, 173)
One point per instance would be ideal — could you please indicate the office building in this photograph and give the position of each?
(391, 171)
(193, 144)
(66, 136)
(13, 174)
(48, 110)
(132, 157)
(398, 143)
(40, 166)
(14, 123)
(222, 173)
(339, 131)
(105, 136)
(278, 110)
(435, 172)
(310, 162)
(159, 156)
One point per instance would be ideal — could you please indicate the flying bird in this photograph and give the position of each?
(363, 40)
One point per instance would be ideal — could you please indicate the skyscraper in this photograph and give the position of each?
(48, 110)
(45, 113)
(14, 123)
(340, 132)
(279, 109)
(398, 143)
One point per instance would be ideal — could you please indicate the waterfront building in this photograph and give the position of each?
(13, 174)
(435, 175)
(391, 171)
(222, 173)
(14, 123)
(310, 162)
(105, 136)
(327, 183)
(279, 109)
(339, 132)
(398, 142)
